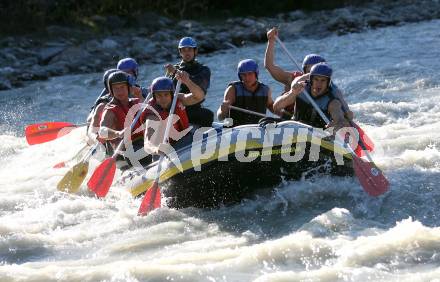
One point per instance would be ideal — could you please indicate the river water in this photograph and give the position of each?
(322, 229)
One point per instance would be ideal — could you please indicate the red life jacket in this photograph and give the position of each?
(180, 125)
(121, 111)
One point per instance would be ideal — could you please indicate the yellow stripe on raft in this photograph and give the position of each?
(170, 172)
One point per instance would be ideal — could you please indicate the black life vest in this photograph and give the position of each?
(254, 101)
(200, 75)
(306, 113)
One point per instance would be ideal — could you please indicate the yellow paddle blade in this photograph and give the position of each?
(74, 177)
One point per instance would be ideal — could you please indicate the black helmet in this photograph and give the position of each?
(116, 78)
(105, 77)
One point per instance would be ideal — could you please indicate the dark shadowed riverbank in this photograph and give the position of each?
(152, 38)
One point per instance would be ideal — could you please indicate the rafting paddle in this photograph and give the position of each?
(247, 111)
(370, 176)
(364, 144)
(104, 174)
(73, 179)
(368, 143)
(47, 131)
(63, 163)
(153, 196)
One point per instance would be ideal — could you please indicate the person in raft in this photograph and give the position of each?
(246, 93)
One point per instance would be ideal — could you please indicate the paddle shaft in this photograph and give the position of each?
(173, 107)
(287, 52)
(90, 152)
(168, 127)
(143, 209)
(63, 163)
(247, 111)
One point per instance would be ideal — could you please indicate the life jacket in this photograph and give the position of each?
(254, 101)
(121, 112)
(180, 125)
(200, 75)
(306, 113)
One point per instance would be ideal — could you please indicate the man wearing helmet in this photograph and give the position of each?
(158, 111)
(113, 117)
(319, 89)
(286, 77)
(127, 65)
(199, 73)
(247, 93)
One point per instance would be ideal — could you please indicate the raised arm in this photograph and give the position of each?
(275, 71)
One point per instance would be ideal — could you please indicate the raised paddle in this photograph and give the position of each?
(73, 179)
(370, 176)
(368, 143)
(104, 174)
(47, 131)
(152, 196)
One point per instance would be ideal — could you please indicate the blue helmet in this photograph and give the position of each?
(162, 83)
(116, 78)
(107, 73)
(187, 42)
(321, 69)
(312, 59)
(247, 65)
(128, 64)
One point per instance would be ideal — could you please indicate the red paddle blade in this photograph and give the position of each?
(367, 142)
(102, 177)
(43, 132)
(151, 200)
(371, 178)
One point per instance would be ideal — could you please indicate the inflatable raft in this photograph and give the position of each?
(224, 165)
